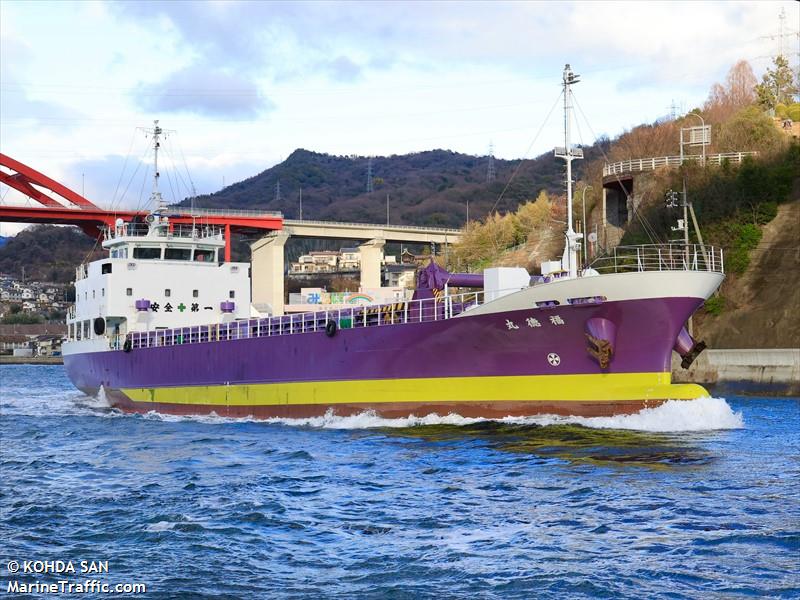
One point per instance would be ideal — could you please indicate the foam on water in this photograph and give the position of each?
(702, 414)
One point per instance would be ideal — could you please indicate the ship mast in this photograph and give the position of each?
(155, 197)
(569, 262)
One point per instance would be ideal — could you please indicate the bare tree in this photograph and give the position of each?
(737, 92)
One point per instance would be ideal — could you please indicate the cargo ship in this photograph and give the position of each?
(163, 324)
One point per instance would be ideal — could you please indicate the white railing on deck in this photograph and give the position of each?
(634, 165)
(399, 313)
(661, 257)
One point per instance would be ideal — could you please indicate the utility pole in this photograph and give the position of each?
(491, 173)
(370, 187)
(387, 208)
(467, 211)
(301, 203)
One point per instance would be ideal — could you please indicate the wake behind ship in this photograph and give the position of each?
(162, 324)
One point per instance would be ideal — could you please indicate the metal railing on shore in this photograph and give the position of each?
(661, 257)
(634, 165)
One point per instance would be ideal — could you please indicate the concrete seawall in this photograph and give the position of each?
(757, 372)
(31, 360)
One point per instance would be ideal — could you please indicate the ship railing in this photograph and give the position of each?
(661, 257)
(198, 231)
(407, 312)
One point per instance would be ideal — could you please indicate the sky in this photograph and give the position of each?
(239, 85)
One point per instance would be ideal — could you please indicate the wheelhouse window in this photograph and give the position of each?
(204, 255)
(167, 292)
(231, 294)
(129, 291)
(195, 293)
(177, 254)
(147, 253)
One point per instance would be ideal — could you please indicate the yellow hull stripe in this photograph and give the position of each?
(601, 387)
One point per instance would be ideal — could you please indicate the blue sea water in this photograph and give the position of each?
(690, 500)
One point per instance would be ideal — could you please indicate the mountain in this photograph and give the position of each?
(425, 188)
(47, 253)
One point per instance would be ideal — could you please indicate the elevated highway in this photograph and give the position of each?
(269, 257)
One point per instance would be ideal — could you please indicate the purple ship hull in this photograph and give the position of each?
(507, 363)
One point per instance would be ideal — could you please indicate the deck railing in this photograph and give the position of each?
(634, 165)
(407, 312)
(661, 257)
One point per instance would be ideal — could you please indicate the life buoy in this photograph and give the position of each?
(99, 326)
(330, 328)
(127, 346)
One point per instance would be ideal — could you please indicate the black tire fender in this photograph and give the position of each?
(99, 326)
(330, 328)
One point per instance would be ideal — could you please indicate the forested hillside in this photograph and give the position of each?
(47, 252)
(425, 188)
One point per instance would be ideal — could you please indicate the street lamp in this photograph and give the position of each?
(583, 202)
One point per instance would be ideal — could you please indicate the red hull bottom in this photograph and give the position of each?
(394, 410)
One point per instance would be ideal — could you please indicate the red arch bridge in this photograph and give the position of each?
(56, 204)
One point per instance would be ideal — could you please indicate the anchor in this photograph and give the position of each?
(688, 348)
(601, 335)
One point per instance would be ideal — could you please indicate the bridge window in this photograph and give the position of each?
(177, 254)
(147, 253)
(129, 291)
(105, 268)
(231, 294)
(204, 255)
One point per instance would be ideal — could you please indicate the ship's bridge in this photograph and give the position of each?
(161, 240)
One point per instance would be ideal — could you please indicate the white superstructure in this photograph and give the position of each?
(157, 275)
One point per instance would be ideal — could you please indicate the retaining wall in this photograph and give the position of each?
(755, 372)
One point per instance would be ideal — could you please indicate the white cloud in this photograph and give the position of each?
(245, 83)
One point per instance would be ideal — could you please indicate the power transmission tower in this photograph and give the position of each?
(783, 34)
(369, 175)
(491, 173)
(278, 197)
(673, 110)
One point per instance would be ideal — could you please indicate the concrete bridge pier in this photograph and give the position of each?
(268, 262)
(371, 260)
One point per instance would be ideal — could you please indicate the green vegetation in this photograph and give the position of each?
(15, 316)
(485, 241)
(777, 86)
(731, 202)
(47, 253)
(715, 305)
(426, 188)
